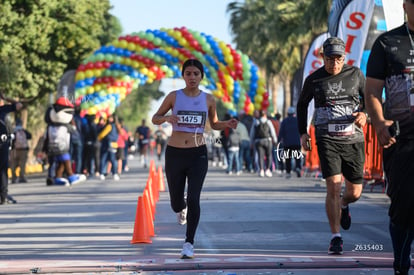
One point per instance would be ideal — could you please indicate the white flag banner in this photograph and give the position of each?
(394, 13)
(313, 61)
(353, 28)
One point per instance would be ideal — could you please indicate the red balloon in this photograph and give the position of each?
(265, 96)
(99, 65)
(128, 38)
(89, 66)
(265, 103)
(81, 68)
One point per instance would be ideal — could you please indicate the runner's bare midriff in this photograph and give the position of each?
(186, 140)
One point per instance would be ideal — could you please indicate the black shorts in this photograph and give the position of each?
(346, 159)
(120, 154)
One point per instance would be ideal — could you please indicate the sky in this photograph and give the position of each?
(207, 16)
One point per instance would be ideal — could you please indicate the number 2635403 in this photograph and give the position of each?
(368, 247)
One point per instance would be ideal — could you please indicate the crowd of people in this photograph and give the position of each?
(261, 143)
(75, 148)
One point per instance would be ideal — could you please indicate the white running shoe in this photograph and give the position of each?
(268, 173)
(261, 174)
(102, 177)
(188, 251)
(182, 216)
(116, 177)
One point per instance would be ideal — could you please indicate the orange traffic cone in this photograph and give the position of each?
(141, 233)
(148, 187)
(161, 185)
(149, 216)
(154, 186)
(152, 166)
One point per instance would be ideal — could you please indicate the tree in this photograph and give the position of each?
(41, 39)
(272, 33)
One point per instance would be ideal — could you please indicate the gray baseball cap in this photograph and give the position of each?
(334, 46)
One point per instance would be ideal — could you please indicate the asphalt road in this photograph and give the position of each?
(248, 225)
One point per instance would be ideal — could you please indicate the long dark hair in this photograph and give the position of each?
(193, 62)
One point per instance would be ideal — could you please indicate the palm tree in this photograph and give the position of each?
(275, 37)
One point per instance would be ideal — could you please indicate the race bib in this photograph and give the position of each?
(191, 119)
(341, 129)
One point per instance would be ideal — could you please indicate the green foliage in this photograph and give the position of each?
(41, 39)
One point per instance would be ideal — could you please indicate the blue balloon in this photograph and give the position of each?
(80, 84)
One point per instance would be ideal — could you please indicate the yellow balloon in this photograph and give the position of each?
(131, 46)
(97, 87)
(115, 43)
(151, 74)
(134, 64)
(258, 98)
(97, 72)
(144, 71)
(89, 73)
(90, 90)
(250, 110)
(123, 44)
(80, 76)
(261, 90)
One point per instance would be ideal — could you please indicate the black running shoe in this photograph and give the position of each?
(335, 247)
(345, 218)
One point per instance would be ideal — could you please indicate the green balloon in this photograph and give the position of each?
(150, 36)
(157, 41)
(109, 57)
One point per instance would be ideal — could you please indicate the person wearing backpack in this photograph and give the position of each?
(263, 136)
(20, 150)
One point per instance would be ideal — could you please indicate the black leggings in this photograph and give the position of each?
(183, 164)
(264, 149)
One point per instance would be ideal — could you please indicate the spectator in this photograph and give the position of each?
(4, 147)
(244, 153)
(233, 147)
(108, 136)
(290, 137)
(277, 147)
(143, 134)
(90, 135)
(122, 143)
(20, 151)
(264, 136)
(76, 141)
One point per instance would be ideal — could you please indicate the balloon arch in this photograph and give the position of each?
(105, 78)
